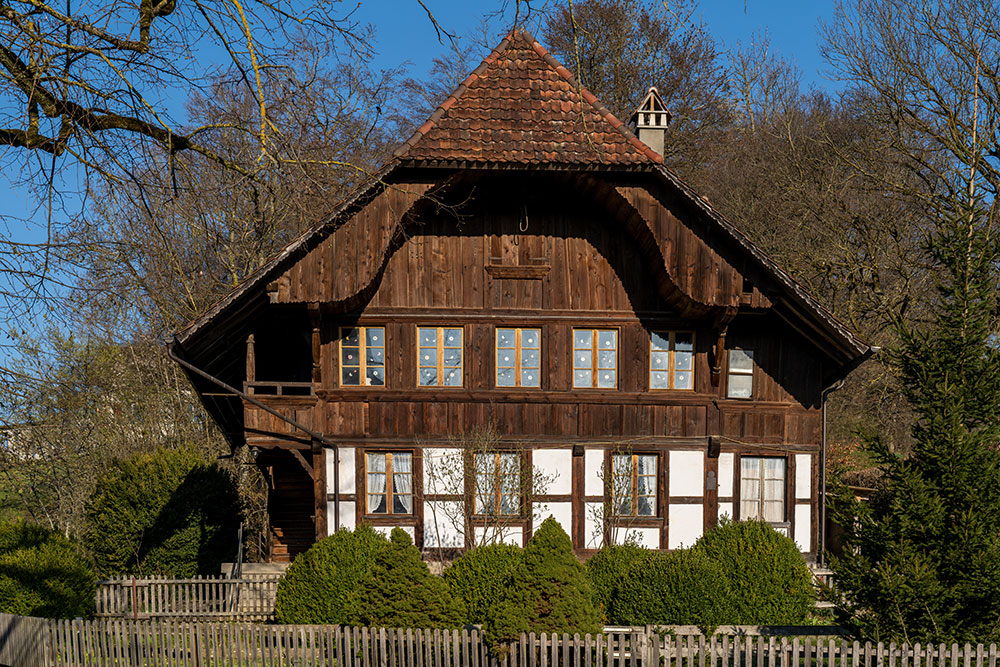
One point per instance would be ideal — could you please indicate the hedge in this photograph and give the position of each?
(42, 573)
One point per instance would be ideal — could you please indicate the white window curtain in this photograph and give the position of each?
(762, 488)
(402, 483)
(376, 484)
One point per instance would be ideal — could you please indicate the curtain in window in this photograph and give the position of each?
(402, 483)
(376, 484)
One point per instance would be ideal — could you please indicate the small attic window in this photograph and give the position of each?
(747, 286)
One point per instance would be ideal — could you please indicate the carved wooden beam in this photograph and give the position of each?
(721, 327)
(305, 464)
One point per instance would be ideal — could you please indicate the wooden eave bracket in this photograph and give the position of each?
(305, 464)
(721, 328)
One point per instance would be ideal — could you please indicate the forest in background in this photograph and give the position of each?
(841, 190)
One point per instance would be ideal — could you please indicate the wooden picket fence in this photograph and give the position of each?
(248, 598)
(169, 643)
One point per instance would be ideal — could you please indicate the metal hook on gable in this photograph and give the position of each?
(523, 226)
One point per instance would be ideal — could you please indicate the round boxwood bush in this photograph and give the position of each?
(488, 580)
(558, 593)
(402, 593)
(42, 573)
(607, 569)
(682, 587)
(768, 575)
(167, 512)
(324, 584)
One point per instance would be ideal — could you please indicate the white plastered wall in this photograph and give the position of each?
(686, 525)
(557, 467)
(347, 485)
(440, 524)
(803, 501)
(561, 512)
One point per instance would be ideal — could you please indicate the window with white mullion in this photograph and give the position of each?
(739, 382)
(518, 357)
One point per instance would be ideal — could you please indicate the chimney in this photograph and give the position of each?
(651, 120)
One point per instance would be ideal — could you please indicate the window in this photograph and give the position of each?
(498, 481)
(389, 482)
(362, 356)
(671, 360)
(595, 358)
(439, 357)
(633, 484)
(762, 488)
(740, 381)
(519, 354)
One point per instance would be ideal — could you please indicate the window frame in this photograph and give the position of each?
(594, 363)
(671, 369)
(730, 372)
(518, 330)
(440, 347)
(388, 493)
(784, 523)
(362, 357)
(634, 487)
(497, 492)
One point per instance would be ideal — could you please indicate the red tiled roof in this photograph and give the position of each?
(522, 106)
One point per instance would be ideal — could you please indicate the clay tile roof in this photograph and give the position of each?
(522, 106)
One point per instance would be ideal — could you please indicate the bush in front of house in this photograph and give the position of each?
(606, 571)
(557, 591)
(402, 593)
(167, 512)
(42, 573)
(488, 580)
(770, 581)
(682, 587)
(324, 583)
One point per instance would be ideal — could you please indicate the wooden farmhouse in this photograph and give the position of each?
(525, 314)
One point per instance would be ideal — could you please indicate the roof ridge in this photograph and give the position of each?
(560, 69)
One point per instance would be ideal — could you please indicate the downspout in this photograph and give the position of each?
(305, 429)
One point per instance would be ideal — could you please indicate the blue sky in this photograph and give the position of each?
(404, 33)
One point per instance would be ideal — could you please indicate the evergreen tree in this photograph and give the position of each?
(402, 593)
(556, 584)
(922, 558)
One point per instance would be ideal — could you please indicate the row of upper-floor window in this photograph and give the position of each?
(498, 483)
(518, 359)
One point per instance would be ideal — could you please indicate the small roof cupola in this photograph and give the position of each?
(651, 120)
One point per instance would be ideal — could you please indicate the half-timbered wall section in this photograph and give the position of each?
(481, 339)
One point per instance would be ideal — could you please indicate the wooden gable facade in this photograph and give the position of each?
(524, 264)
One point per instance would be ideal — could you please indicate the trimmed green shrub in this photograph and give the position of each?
(683, 587)
(168, 512)
(324, 583)
(769, 578)
(488, 580)
(558, 594)
(42, 573)
(481, 576)
(402, 592)
(606, 571)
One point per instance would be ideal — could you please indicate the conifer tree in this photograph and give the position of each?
(556, 584)
(402, 593)
(922, 558)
